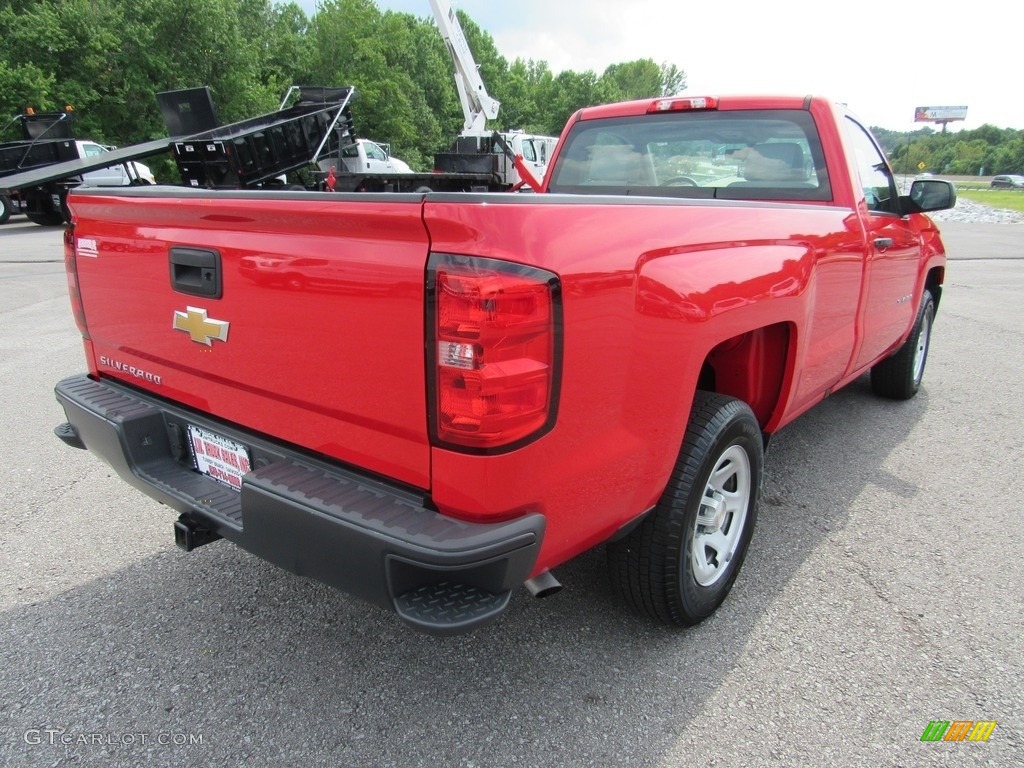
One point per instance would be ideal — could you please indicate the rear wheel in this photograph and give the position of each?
(45, 218)
(679, 564)
(899, 376)
(5, 209)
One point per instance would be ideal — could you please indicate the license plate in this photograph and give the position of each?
(219, 457)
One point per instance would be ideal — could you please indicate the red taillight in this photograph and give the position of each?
(494, 352)
(679, 104)
(71, 268)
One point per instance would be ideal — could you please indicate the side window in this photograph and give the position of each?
(352, 150)
(375, 153)
(91, 150)
(878, 183)
(529, 151)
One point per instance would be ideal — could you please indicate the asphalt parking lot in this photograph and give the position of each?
(884, 590)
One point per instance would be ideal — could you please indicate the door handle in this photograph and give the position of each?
(881, 243)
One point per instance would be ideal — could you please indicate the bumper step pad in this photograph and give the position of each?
(447, 607)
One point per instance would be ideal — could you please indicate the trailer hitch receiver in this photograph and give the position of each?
(189, 534)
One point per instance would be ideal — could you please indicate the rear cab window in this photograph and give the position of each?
(734, 154)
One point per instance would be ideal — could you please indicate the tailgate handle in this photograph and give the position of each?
(196, 271)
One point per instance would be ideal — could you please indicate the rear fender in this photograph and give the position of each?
(744, 306)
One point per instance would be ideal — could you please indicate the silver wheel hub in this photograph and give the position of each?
(921, 353)
(712, 512)
(722, 516)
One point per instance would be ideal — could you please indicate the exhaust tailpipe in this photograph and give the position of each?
(543, 584)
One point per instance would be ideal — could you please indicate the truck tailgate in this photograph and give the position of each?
(297, 316)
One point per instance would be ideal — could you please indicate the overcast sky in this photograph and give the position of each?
(882, 59)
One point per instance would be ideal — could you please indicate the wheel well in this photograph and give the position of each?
(750, 367)
(933, 283)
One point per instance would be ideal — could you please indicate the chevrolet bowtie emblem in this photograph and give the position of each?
(196, 324)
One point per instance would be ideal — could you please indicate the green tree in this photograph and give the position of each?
(638, 79)
(397, 64)
(520, 108)
(673, 79)
(285, 47)
(1009, 157)
(568, 92)
(109, 58)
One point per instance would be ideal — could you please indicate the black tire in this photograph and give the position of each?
(45, 218)
(669, 567)
(899, 376)
(5, 209)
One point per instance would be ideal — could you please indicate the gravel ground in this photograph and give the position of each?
(970, 212)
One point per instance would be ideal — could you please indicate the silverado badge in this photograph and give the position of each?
(196, 324)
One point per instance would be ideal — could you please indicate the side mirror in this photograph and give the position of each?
(930, 195)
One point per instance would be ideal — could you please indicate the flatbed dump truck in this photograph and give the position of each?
(38, 170)
(310, 131)
(48, 139)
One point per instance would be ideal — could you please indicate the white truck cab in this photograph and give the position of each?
(115, 176)
(536, 150)
(367, 156)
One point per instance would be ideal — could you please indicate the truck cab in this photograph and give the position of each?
(535, 150)
(115, 176)
(365, 156)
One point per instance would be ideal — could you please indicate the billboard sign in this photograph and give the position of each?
(939, 114)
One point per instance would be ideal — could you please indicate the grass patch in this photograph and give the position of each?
(1011, 199)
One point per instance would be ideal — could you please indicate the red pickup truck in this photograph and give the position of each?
(428, 400)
